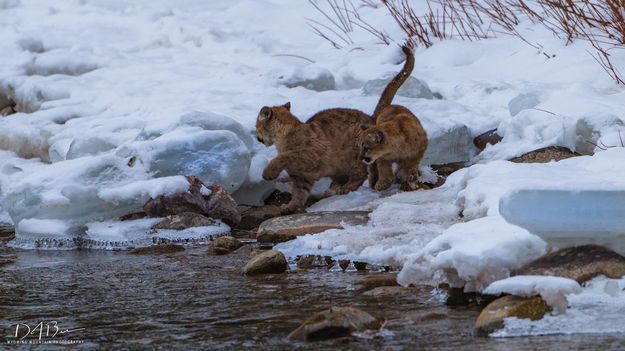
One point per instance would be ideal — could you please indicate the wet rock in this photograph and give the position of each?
(133, 216)
(458, 297)
(386, 291)
(378, 280)
(307, 262)
(491, 137)
(312, 78)
(580, 263)
(224, 245)
(360, 266)
(212, 201)
(268, 262)
(492, 317)
(184, 220)
(334, 323)
(412, 88)
(278, 198)
(253, 217)
(8, 109)
(545, 155)
(450, 146)
(523, 102)
(285, 228)
(157, 249)
(447, 169)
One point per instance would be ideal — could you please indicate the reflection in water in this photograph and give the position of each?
(192, 300)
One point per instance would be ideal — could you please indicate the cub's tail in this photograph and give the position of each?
(391, 88)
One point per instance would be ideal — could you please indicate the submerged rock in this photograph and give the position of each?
(285, 228)
(184, 220)
(492, 317)
(157, 249)
(387, 291)
(490, 137)
(224, 245)
(212, 201)
(268, 262)
(370, 282)
(334, 323)
(545, 155)
(581, 263)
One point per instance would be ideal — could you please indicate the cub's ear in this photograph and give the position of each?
(265, 114)
(287, 106)
(364, 126)
(377, 136)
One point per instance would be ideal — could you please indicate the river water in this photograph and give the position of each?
(194, 301)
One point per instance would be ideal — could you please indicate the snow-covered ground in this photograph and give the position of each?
(115, 94)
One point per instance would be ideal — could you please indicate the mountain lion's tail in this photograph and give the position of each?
(391, 88)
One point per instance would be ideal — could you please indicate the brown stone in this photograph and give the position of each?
(491, 137)
(580, 263)
(219, 204)
(8, 110)
(386, 291)
(285, 228)
(157, 249)
(224, 245)
(334, 323)
(545, 155)
(278, 198)
(253, 217)
(492, 317)
(133, 216)
(184, 220)
(306, 262)
(268, 262)
(376, 280)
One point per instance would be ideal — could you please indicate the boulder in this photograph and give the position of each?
(490, 137)
(212, 201)
(184, 220)
(253, 217)
(224, 245)
(334, 323)
(312, 78)
(412, 88)
(285, 228)
(157, 249)
(545, 155)
(492, 316)
(580, 263)
(268, 262)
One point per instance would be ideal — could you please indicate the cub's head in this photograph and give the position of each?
(373, 143)
(271, 121)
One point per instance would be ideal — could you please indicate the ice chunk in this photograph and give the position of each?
(142, 190)
(213, 121)
(591, 129)
(566, 214)
(58, 150)
(412, 88)
(523, 102)
(312, 77)
(552, 289)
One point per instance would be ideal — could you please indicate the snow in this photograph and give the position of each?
(551, 289)
(120, 100)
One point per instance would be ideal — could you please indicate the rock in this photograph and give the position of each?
(157, 249)
(492, 317)
(8, 110)
(212, 201)
(580, 263)
(334, 323)
(374, 281)
(523, 102)
(224, 245)
(254, 216)
(285, 228)
(312, 78)
(360, 266)
(185, 220)
(133, 216)
(490, 137)
(445, 170)
(451, 146)
(278, 198)
(306, 262)
(412, 88)
(268, 262)
(458, 297)
(545, 155)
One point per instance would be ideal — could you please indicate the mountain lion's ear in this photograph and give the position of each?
(265, 114)
(364, 126)
(287, 106)
(377, 136)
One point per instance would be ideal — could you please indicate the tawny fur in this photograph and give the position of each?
(397, 137)
(327, 145)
